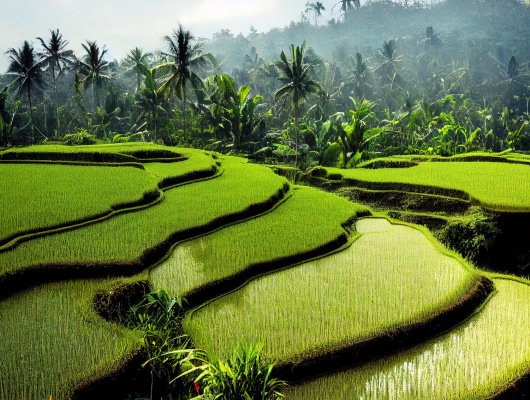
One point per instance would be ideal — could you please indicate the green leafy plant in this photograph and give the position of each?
(354, 136)
(244, 376)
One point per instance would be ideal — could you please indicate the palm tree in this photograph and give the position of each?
(93, 67)
(25, 66)
(389, 60)
(7, 117)
(150, 99)
(357, 73)
(298, 82)
(184, 58)
(137, 57)
(254, 64)
(347, 5)
(54, 54)
(316, 8)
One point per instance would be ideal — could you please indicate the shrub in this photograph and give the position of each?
(471, 235)
(79, 138)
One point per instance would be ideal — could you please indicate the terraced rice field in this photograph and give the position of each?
(128, 238)
(279, 265)
(337, 301)
(197, 165)
(52, 340)
(39, 197)
(126, 152)
(497, 186)
(480, 358)
(56, 325)
(284, 234)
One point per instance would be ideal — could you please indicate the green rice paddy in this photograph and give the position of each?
(298, 226)
(37, 197)
(339, 300)
(497, 186)
(481, 357)
(124, 152)
(311, 284)
(52, 341)
(196, 163)
(125, 238)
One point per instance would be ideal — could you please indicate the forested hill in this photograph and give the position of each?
(442, 77)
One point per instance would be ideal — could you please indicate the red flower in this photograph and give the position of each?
(197, 387)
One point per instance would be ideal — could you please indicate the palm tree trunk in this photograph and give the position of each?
(237, 133)
(31, 114)
(54, 84)
(184, 108)
(95, 96)
(296, 112)
(155, 118)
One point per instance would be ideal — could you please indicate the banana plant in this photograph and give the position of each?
(451, 134)
(514, 138)
(354, 136)
(233, 111)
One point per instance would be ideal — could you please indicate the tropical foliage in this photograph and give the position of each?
(426, 94)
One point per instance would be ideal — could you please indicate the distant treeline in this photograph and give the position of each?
(437, 77)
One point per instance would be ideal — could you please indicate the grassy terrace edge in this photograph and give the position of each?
(149, 199)
(110, 153)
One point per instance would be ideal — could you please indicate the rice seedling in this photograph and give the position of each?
(497, 186)
(337, 301)
(309, 219)
(480, 358)
(52, 341)
(39, 197)
(128, 239)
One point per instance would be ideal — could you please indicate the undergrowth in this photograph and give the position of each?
(179, 372)
(471, 235)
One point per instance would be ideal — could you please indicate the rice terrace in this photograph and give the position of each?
(333, 210)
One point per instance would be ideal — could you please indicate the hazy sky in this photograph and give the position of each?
(124, 24)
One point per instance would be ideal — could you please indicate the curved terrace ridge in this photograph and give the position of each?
(495, 186)
(193, 168)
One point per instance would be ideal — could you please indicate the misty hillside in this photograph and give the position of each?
(463, 65)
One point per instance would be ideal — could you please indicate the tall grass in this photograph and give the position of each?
(308, 219)
(474, 361)
(497, 186)
(37, 197)
(53, 341)
(387, 279)
(124, 239)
